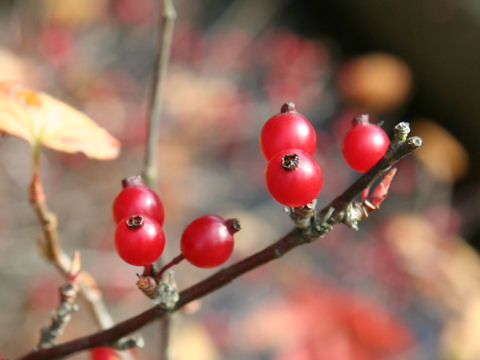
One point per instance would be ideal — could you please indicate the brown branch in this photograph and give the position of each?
(399, 148)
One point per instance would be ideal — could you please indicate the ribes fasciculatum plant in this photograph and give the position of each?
(293, 178)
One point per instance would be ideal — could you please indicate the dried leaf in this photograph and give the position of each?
(379, 194)
(43, 120)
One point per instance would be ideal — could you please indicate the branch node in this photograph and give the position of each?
(415, 141)
(60, 317)
(128, 343)
(302, 216)
(148, 285)
(322, 225)
(353, 214)
(401, 131)
(169, 11)
(278, 253)
(167, 293)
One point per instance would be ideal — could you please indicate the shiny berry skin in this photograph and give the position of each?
(208, 240)
(104, 353)
(364, 144)
(137, 198)
(287, 130)
(293, 178)
(139, 240)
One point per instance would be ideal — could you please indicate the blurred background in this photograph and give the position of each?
(406, 286)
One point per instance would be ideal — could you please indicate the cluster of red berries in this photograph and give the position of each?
(288, 141)
(139, 238)
(293, 177)
(139, 215)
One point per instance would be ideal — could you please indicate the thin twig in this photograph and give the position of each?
(150, 172)
(62, 314)
(296, 237)
(54, 253)
(160, 69)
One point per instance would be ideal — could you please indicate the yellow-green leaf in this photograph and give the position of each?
(43, 120)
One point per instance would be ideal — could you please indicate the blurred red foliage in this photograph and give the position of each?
(322, 322)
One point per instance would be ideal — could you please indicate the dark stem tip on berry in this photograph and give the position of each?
(233, 225)
(362, 119)
(133, 180)
(289, 106)
(290, 161)
(135, 221)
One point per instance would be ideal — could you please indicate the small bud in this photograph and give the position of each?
(148, 286)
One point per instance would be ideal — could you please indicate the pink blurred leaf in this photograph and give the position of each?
(322, 322)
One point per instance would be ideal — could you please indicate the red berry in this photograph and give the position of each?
(364, 145)
(137, 198)
(139, 240)
(293, 178)
(208, 240)
(287, 130)
(104, 353)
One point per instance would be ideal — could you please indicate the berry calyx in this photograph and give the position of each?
(293, 178)
(290, 161)
(137, 198)
(364, 144)
(287, 130)
(139, 240)
(135, 221)
(208, 240)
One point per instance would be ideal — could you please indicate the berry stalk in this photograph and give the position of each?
(177, 259)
